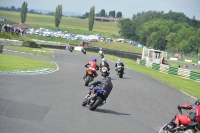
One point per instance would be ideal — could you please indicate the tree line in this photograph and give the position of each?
(172, 31)
(18, 9)
(103, 13)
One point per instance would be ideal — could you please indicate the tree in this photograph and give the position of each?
(119, 15)
(58, 15)
(12, 8)
(91, 18)
(86, 15)
(24, 11)
(112, 13)
(102, 13)
(127, 28)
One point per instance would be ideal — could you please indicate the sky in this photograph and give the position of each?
(128, 7)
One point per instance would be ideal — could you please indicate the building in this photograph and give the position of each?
(107, 19)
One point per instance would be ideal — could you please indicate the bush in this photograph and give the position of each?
(33, 44)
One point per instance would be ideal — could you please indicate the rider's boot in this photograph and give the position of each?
(84, 76)
(171, 126)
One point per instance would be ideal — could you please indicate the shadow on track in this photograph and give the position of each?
(109, 111)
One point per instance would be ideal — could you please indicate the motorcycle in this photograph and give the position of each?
(95, 100)
(104, 71)
(193, 127)
(70, 49)
(84, 51)
(120, 71)
(89, 77)
(101, 55)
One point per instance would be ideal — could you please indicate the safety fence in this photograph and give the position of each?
(10, 42)
(122, 54)
(186, 73)
(118, 53)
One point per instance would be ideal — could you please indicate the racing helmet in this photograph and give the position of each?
(197, 102)
(94, 59)
(119, 59)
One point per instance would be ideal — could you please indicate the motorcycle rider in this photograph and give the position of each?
(104, 84)
(82, 49)
(101, 52)
(104, 63)
(194, 115)
(119, 63)
(92, 66)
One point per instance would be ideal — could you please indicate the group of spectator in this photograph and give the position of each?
(9, 29)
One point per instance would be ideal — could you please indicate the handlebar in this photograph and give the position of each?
(180, 111)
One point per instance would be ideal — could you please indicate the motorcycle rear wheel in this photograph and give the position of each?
(96, 103)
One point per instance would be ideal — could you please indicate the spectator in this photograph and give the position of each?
(164, 61)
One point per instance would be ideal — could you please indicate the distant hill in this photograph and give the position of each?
(64, 12)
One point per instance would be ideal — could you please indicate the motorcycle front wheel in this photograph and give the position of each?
(164, 129)
(96, 103)
(120, 74)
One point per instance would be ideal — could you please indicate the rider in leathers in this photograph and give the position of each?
(194, 115)
(119, 63)
(92, 66)
(104, 84)
(104, 63)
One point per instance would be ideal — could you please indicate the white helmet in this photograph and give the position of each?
(119, 59)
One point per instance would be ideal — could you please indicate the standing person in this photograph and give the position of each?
(163, 61)
(194, 115)
(119, 63)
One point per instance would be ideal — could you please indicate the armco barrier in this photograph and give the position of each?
(53, 46)
(122, 54)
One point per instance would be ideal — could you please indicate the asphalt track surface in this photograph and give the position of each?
(51, 103)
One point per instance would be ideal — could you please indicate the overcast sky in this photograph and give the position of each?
(128, 7)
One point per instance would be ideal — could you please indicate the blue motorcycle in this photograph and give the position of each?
(95, 98)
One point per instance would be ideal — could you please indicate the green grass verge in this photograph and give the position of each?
(69, 24)
(34, 51)
(11, 62)
(189, 86)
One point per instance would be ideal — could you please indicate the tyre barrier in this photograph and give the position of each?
(185, 73)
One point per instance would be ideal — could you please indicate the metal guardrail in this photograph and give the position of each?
(122, 54)
(1, 48)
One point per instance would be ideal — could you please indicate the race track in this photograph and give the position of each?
(51, 103)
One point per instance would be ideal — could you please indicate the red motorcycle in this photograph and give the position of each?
(89, 76)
